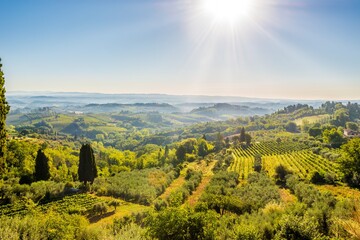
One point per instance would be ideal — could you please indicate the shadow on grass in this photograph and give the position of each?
(94, 219)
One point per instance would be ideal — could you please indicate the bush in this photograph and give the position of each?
(99, 208)
(317, 178)
(160, 204)
(280, 174)
(43, 226)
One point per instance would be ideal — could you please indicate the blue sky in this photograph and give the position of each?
(300, 49)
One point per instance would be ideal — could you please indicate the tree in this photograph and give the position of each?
(291, 127)
(350, 164)
(166, 153)
(42, 169)
(115, 204)
(220, 143)
(87, 168)
(242, 135)
(280, 174)
(248, 139)
(352, 126)
(341, 116)
(180, 153)
(333, 136)
(180, 223)
(4, 110)
(315, 131)
(203, 148)
(257, 163)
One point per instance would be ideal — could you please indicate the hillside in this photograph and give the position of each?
(158, 174)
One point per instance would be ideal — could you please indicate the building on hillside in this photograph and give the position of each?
(351, 133)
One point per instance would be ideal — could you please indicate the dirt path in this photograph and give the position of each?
(174, 185)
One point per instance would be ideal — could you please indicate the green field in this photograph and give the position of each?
(312, 119)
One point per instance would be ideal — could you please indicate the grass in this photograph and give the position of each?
(126, 209)
(286, 196)
(340, 191)
(311, 119)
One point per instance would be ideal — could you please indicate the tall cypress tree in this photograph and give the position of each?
(42, 169)
(242, 135)
(87, 168)
(4, 109)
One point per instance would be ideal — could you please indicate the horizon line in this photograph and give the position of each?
(184, 95)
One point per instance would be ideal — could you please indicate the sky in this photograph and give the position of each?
(294, 49)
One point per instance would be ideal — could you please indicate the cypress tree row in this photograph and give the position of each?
(4, 109)
(87, 168)
(42, 169)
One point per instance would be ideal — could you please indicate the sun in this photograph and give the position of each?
(230, 11)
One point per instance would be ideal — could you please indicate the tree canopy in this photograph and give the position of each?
(4, 110)
(87, 168)
(42, 169)
(350, 163)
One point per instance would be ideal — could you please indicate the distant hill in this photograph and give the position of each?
(185, 103)
(225, 109)
(136, 107)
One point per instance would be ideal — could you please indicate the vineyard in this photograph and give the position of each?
(269, 148)
(293, 156)
(303, 163)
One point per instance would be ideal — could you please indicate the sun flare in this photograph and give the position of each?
(228, 10)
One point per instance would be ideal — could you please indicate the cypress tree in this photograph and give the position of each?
(42, 169)
(87, 168)
(166, 154)
(242, 135)
(4, 109)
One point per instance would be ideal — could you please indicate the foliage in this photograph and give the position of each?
(352, 126)
(333, 136)
(178, 196)
(99, 208)
(350, 164)
(42, 169)
(259, 191)
(291, 127)
(87, 168)
(139, 186)
(4, 110)
(219, 193)
(280, 174)
(43, 226)
(180, 223)
(237, 203)
(242, 135)
(315, 131)
(257, 163)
